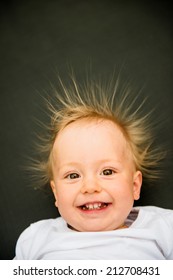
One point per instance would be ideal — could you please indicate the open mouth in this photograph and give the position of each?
(94, 206)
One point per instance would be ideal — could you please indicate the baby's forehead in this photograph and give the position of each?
(95, 131)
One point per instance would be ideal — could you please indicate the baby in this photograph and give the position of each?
(99, 151)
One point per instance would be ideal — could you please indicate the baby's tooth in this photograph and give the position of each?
(90, 206)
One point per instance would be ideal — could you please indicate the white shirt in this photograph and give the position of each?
(149, 236)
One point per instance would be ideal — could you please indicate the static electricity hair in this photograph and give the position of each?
(95, 100)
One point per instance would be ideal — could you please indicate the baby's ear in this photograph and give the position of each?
(137, 183)
(52, 184)
(53, 187)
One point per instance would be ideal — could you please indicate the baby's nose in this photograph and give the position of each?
(90, 186)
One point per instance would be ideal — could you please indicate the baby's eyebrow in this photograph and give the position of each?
(68, 165)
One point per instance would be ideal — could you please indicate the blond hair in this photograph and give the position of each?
(94, 100)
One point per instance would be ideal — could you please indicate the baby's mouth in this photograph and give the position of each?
(94, 206)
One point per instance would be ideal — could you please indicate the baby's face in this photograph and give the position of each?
(94, 178)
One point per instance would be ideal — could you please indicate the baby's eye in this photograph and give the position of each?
(107, 172)
(72, 176)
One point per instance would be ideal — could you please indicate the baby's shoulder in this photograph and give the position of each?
(42, 226)
(158, 213)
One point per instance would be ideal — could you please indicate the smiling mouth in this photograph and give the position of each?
(94, 206)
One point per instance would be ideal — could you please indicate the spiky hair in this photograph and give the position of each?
(95, 100)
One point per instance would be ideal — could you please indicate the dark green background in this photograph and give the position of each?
(42, 38)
